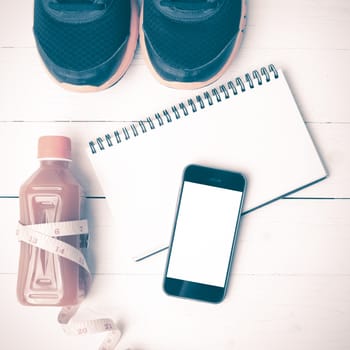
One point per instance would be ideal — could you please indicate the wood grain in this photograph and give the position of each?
(290, 286)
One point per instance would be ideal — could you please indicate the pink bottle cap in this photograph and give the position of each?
(54, 147)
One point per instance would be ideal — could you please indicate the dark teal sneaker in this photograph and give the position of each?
(86, 45)
(189, 44)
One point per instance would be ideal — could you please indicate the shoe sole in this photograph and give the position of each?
(196, 84)
(126, 61)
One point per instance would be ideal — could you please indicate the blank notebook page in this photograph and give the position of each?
(258, 131)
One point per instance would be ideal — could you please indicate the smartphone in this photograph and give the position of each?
(204, 233)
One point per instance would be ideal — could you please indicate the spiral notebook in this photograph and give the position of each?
(251, 125)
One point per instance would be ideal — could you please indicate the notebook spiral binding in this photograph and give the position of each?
(183, 109)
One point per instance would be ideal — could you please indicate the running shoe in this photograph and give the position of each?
(86, 45)
(189, 44)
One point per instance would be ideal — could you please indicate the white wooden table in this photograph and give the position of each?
(290, 286)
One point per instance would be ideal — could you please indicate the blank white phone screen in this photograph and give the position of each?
(204, 234)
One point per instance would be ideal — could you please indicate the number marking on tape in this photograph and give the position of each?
(44, 236)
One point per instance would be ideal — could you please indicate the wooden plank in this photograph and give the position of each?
(288, 237)
(268, 312)
(310, 73)
(16, 21)
(127, 100)
(20, 142)
(298, 24)
(305, 51)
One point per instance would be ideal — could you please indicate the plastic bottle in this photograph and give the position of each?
(51, 194)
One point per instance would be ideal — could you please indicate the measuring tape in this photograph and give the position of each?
(44, 236)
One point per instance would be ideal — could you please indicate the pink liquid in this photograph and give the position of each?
(51, 194)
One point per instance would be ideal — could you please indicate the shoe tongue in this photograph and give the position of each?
(190, 5)
(78, 5)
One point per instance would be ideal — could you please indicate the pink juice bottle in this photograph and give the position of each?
(51, 194)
